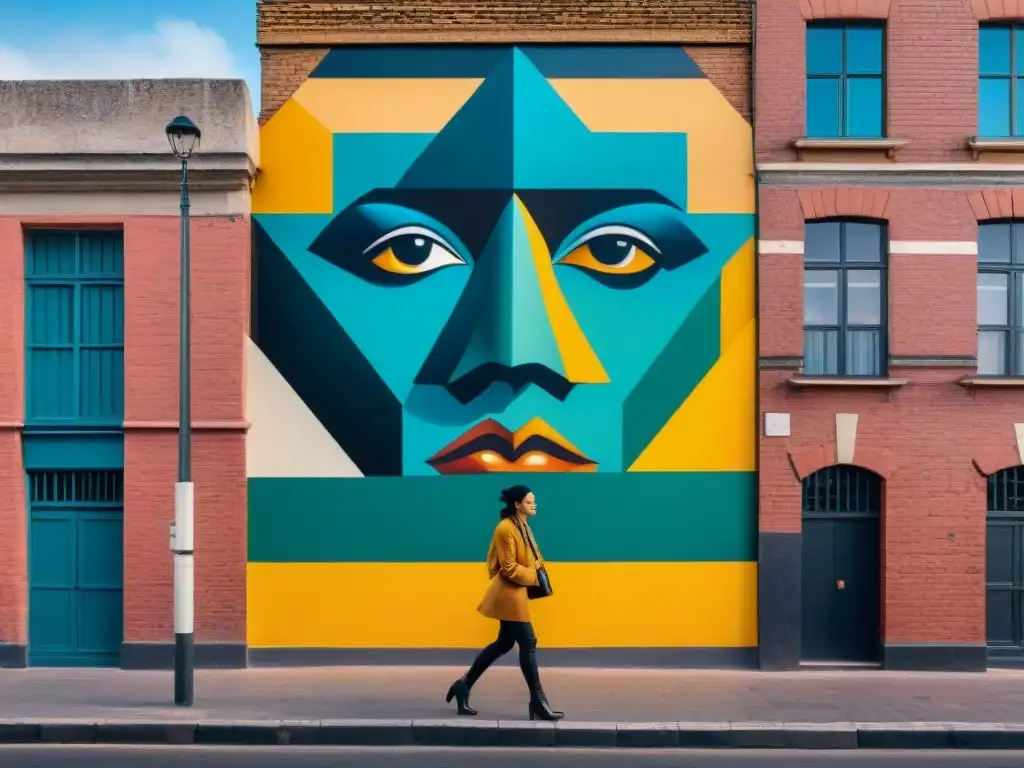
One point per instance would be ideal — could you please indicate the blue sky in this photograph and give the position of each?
(61, 39)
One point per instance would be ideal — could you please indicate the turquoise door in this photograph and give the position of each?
(76, 578)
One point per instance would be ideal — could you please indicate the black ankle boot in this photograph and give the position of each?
(460, 692)
(541, 710)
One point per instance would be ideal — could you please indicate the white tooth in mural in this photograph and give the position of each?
(285, 439)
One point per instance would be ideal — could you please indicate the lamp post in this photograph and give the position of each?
(183, 136)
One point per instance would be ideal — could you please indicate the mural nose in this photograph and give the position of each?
(512, 323)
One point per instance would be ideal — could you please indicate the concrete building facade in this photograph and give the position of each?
(890, 175)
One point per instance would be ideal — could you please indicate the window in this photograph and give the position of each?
(1000, 70)
(844, 298)
(845, 81)
(74, 328)
(1001, 299)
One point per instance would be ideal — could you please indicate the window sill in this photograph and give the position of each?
(842, 144)
(856, 382)
(979, 144)
(1005, 382)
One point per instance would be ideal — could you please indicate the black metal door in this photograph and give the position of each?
(841, 584)
(1004, 605)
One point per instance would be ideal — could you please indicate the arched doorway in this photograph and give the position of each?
(1004, 548)
(841, 564)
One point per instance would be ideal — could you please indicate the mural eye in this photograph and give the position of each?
(412, 251)
(612, 250)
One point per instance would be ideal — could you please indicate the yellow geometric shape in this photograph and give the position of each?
(720, 148)
(578, 357)
(737, 293)
(296, 164)
(384, 105)
(713, 431)
(399, 605)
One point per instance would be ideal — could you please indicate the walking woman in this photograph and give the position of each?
(517, 575)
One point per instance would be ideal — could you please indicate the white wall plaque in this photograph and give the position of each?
(776, 425)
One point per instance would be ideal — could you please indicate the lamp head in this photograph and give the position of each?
(183, 135)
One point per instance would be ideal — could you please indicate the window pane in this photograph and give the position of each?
(824, 51)
(1018, 363)
(863, 297)
(1018, 287)
(994, 243)
(821, 353)
(864, 50)
(994, 107)
(994, 50)
(864, 107)
(863, 353)
(863, 241)
(992, 299)
(821, 297)
(991, 353)
(1018, 242)
(1018, 41)
(1017, 129)
(823, 107)
(821, 241)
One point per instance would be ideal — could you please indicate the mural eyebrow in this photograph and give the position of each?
(470, 213)
(558, 212)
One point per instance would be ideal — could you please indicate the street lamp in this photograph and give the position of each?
(183, 136)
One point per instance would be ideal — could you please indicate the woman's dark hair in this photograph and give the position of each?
(510, 497)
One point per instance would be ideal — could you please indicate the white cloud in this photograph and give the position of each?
(170, 49)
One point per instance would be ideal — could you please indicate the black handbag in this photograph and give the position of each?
(543, 586)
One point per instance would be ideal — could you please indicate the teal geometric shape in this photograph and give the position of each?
(500, 317)
(670, 379)
(516, 132)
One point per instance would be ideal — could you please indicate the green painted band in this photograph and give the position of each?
(629, 517)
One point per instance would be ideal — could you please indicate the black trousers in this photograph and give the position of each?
(511, 633)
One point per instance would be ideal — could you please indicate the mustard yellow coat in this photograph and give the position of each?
(511, 568)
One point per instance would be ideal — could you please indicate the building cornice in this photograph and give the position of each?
(31, 172)
(891, 174)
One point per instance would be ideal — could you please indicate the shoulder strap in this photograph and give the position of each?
(527, 539)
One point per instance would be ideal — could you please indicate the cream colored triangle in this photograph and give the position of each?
(285, 439)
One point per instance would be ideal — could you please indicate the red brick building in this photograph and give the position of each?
(89, 260)
(891, 185)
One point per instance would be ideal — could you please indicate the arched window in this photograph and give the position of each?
(1004, 606)
(1001, 298)
(842, 489)
(841, 566)
(844, 297)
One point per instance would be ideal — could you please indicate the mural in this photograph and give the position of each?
(528, 262)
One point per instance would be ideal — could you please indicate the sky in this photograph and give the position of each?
(98, 39)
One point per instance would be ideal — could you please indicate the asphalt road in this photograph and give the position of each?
(297, 757)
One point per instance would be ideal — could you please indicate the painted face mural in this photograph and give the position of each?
(495, 259)
(474, 262)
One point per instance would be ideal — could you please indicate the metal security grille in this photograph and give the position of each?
(842, 490)
(1006, 491)
(97, 488)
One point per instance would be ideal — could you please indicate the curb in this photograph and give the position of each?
(463, 732)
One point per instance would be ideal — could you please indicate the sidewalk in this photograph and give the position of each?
(406, 705)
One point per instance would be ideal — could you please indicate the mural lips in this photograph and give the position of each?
(491, 447)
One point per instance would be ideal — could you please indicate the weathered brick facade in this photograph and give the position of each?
(932, 439)
(293, 36)
(49, 187)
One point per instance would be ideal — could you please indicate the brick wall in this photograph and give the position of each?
(220, 306)
(926, 436)
(293, 36)
(13, 544)
(459, 21)
(931, 78)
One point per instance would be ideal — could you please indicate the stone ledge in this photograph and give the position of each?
(38, 172)
(467, 732)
